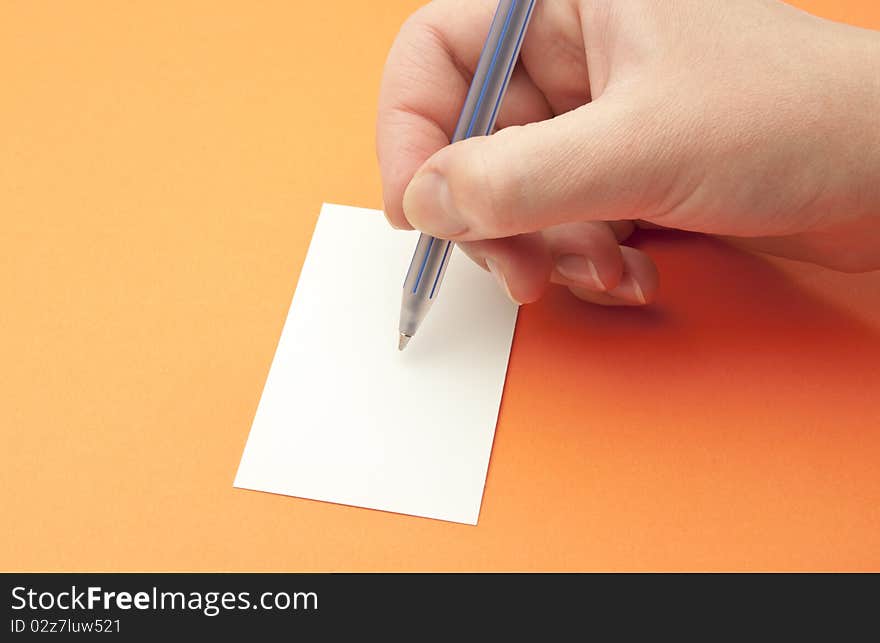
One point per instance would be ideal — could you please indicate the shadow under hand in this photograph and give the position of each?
(735, 422)
(728, 330)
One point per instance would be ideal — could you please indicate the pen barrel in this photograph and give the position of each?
(478, 116)
(494, 69)
(423, 280)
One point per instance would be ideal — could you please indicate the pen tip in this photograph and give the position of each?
(403, 341)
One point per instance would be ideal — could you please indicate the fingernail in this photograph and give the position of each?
(499, 277)
(630, 290)
(640, 295)
(428, 205)
(581, 270)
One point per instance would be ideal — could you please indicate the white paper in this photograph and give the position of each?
(345, 417)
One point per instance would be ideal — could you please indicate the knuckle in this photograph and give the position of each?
(416, 19)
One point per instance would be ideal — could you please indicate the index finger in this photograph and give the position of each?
(426, 80)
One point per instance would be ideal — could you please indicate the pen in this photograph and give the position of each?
(500, 52)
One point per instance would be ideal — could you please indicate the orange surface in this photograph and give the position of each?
(162, 165)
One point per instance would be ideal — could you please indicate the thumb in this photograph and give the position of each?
(591, 164)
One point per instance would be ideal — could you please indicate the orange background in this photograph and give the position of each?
(162, 165)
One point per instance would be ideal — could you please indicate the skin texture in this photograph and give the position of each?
(749, 120)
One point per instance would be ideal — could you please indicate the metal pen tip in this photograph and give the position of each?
(403, 341)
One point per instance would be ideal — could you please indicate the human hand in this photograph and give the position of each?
(750, 120)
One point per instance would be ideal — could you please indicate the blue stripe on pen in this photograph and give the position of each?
(473, 115)
(424, 263)
(482, 53)
(470, 130)
(513, 58)
(498, 45)
(440, 269)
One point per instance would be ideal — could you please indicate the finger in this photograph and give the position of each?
(523, 102)
(622, 229)
(647, 225)
(841, 249)
(586, 253)
(638, 285)
(521, 264)
(425, 83)
(555, 56)
(591, 164)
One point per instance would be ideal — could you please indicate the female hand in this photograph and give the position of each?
(750, 120)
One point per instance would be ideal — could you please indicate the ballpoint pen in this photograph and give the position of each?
(500, 52)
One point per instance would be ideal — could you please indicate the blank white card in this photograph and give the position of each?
(346, 418)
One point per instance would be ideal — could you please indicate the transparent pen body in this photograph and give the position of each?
(478, 116)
